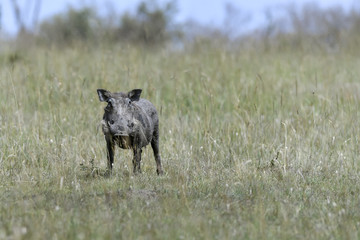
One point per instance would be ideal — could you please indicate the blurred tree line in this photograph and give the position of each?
(309, 28)
(152, 24)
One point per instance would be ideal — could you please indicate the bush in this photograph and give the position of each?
(151, 25)
(74, 25)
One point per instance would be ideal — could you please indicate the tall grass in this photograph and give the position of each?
(253, 145)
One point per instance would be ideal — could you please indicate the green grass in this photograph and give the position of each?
(254, 146)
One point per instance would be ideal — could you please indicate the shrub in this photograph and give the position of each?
(74, 25)
(151, 25)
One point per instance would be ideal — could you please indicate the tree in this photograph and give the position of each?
(151, 25)
(20, 14)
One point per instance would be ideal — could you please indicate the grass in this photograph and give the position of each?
(254, 146)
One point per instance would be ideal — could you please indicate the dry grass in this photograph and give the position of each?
(253, 146)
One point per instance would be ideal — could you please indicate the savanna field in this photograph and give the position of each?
(254, 145)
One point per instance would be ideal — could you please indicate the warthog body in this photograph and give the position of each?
(130, 122)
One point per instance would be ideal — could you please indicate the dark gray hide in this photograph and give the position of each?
(130, 122)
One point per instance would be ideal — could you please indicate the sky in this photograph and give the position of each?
(203, 11)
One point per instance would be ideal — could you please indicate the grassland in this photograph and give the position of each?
(254, 146)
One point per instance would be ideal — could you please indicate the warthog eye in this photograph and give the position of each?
(110, 104)
(110, 101)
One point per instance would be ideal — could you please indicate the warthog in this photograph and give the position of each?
(130, 122)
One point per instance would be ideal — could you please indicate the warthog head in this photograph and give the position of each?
(119, 113)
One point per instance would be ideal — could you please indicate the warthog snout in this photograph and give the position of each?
(130, 122)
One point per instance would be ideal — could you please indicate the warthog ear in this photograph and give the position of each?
(134, 94)
(104, 95)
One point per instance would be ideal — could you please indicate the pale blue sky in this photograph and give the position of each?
(203, 11)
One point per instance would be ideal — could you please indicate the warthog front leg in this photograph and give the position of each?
(137, 160)
(110, 152)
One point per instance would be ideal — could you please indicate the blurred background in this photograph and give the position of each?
(321, 24)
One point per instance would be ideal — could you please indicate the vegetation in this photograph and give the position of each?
(254, 146)
(259, 140)
(75, 25)
(151, 25)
